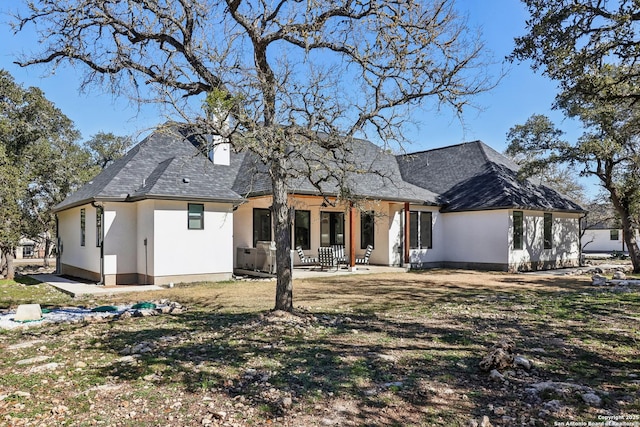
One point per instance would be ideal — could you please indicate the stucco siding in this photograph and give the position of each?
(120, 230)
(476, 237)
(600, 241)
(182, 251)
(436, 254)
(145, 231)
(73, 254)
(564, 249)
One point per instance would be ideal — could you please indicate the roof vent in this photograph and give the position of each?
(186, 180)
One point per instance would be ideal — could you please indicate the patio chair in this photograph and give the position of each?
(365, 259)
(306, 260)
(338, 254)
(326, 257)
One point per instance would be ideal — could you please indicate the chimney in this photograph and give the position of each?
(221, 152)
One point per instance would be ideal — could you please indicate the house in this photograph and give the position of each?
(169, 212)
(604, 237)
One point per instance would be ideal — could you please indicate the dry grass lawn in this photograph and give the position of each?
(365, 350)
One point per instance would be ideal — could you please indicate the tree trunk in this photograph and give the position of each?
(47, 249)
(282, 225)
(10, 267)
(628, 231)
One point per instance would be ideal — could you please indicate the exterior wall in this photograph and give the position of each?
(431, 257)
(600, 241)
(179, 253)
(144, 232)
(120, 251)
(565, 250)
(77, 260)
(172, 253)
(476, 239)
(395, 251)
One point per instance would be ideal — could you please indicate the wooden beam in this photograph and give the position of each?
(352, 237)
(406, 232)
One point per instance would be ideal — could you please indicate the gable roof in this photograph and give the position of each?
(163, 166)
(473, 176)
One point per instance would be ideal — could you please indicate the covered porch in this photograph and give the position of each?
(320, 223)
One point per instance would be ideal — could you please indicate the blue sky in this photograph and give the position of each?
(520, 94)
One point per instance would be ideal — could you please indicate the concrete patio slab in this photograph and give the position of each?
(76, 289)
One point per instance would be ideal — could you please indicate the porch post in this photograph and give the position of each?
(406, 233)
(352, 239)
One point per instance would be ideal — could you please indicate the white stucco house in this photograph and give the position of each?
(604, 238)
(167, 212)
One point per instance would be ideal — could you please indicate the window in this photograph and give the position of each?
(614, 234)
(302, 226)
(83, 224)
(195, 216)
(331, 228)
(518, 230)
(261, 225)
(420, 230)
(98, 227)
(548, 231)
(366, 229)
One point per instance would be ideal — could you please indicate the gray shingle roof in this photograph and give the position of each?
(468, 176)
(163, 165)
(473, 176)
(373, 173)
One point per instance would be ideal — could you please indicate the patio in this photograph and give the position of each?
(305, 272)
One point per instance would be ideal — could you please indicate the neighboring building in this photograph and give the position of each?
(604, 238)
(166, 212)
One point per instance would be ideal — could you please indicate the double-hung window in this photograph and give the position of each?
(420, 230)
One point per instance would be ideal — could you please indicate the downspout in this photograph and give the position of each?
(58, 247)
(100, 209)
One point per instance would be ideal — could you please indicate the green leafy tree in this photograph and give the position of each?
(105, 148)
(39, 165)
(290, 81)
(528, 144)
(591, 48)
(607, 152)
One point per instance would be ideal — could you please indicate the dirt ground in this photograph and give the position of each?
(433, 348)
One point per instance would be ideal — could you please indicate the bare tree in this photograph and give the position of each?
(283, 79)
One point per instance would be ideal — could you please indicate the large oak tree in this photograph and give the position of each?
(40, 163)
(591, 48)
(290, 80)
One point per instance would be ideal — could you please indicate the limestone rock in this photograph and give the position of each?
(522, 362)
(494, 375)
(619, 275)
(498, 358)
(27, 312)
(598, 280)
(592, 399)
(485, 422)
